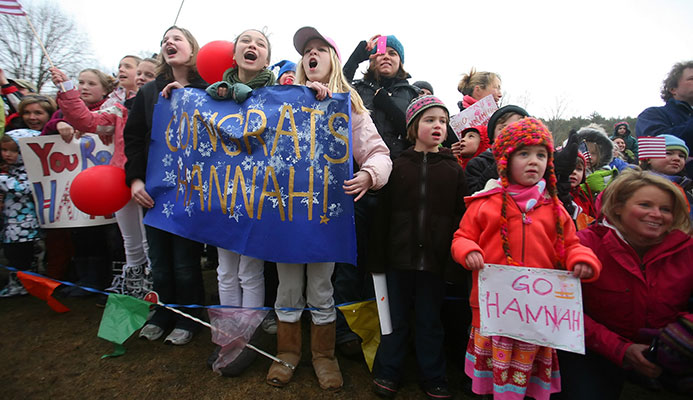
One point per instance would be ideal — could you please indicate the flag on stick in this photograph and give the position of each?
(651, 147)
(122, 316)
(11, 7)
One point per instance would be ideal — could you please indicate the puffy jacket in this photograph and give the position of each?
(531, 236)
(674, 118)
(418, 212)
(107, 121)
(633, 293)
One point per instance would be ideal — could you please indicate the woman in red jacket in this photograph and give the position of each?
(645, 247)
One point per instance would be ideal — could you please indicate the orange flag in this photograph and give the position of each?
(42, 288)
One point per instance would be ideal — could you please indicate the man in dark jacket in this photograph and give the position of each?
(676, 116)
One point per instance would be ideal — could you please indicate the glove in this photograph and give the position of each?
(598, 180)
(565, 160)
(240, 92)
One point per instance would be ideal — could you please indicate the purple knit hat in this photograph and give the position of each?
(420, 104)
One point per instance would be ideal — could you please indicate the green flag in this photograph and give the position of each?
(121, 318)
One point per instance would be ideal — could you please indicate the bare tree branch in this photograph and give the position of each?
(20, 52)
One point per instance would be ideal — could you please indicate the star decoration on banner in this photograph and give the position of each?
(324, 219)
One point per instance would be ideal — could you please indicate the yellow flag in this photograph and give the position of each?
(363, 320)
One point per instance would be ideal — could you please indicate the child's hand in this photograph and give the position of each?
(582, 271)
(474, 261)
(105, 139)
(321, 90)
(456, 149)
(66, 131)
(139, 193)
(57, 76)
(359, 185)
(222, 90)
(166, 92)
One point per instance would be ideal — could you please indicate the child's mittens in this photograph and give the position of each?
(598, 180)
(239, 92)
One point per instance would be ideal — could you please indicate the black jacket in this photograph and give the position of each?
(418, 212)
(479, 170)
(138, 129)
(388, 108)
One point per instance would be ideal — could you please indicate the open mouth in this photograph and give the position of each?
(436, 135)
(171, 51)
(312, 63)
(250, 56)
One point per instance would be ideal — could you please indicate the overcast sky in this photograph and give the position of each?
(608, 56)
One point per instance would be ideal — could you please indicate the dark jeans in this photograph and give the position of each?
(353, 282)
(177, 277)
(19, 255)
(424, 292)
(589, 377)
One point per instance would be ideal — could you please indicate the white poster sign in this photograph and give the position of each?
(51, 165)
(477, 114)
(534, 305)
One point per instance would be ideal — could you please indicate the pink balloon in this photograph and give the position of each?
(214, 59)
(100, 190)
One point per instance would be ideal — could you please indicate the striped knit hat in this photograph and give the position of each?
(422, 103)
(527, 132)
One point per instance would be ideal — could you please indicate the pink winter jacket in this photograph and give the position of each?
(106, 121)
(633, 293)
(370, 151)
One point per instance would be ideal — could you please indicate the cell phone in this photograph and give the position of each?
(381, 47)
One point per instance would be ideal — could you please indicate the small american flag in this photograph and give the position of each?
(11, 7)
(651, 147)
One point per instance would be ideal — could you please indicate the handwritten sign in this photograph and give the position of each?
(51, 165)
(540, 306)
(477, 114)
(262, 178)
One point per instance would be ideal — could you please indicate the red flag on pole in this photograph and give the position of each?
(11, 7)
(651, 147)
(42, 288)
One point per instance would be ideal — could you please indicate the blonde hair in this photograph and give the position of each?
(474, 78)
(107, 82)
(337, 82)
(628, 182)
(164, 69)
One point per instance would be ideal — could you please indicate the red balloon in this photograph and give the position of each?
(100, 190)
(214, 59)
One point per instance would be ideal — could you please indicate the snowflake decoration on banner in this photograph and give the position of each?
(189, 209)
(205, 149)
(185, 98)
(200, 164)
(174, 104)
(168, 209)
(188, 175)
(181, 189)
(180, 162)
(236, 213)
(187, 150)
(335, 209)
(247, 163)
(170, 178)
(205, 188)
(316, 199)
(277, 163)
(275, 201)
(206, 115)
(167, 160)
(200, 101)
(257, 102)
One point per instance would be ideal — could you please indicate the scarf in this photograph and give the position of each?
(467, 101)
(527, 197)
(262, 79)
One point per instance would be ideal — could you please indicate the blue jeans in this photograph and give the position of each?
(177, 277)
(424, 292)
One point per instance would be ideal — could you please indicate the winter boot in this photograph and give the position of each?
(14, 287)
(289, 350)
(322, 343)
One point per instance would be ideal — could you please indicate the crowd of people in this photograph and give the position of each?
(433, 207)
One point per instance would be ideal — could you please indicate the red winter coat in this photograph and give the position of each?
(531, 243)
(624, 299)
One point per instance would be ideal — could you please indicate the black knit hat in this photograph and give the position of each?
(493, 121)
(423, 85)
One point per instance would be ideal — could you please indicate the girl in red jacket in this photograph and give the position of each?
(533, 230)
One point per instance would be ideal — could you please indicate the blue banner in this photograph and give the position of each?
(262, 178)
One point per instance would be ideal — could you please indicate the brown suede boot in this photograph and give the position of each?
(289, 350)
(322, 342)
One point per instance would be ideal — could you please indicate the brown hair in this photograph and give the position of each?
(262, 32)
(108, 82)
(630, 180)
(373, 75)
(136, 58)
(47, 103)
(166, 71)
(474, 78)
(672, 80)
